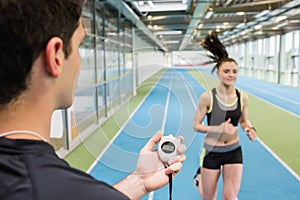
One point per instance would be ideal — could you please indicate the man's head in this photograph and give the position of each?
(26, 26)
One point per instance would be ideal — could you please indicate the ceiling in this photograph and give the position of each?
(174, 25)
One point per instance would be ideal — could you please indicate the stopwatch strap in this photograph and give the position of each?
(170, 186)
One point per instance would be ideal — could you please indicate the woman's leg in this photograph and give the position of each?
(209, 179)
(200, 183)
(232, 176)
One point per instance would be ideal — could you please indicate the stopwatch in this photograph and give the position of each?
(167, 148)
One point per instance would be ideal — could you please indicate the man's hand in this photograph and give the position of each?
(151, 169)
(150, 173)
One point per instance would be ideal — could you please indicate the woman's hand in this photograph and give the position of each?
(227, 127)
(251, 133)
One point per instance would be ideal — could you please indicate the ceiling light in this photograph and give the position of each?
(171, 42)
(280, 18)
(256, 27)
(112, 34)
(240, 13)
(262, 13)
(200, 26)
(294, 21)
(160, 6)
(259, 33)
(244, 32)
(168, 32)
(208, 14)
(240, 25)
(141, 3)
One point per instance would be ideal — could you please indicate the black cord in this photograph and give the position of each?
(170, 186)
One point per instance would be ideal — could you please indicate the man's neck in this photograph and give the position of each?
(32, 118)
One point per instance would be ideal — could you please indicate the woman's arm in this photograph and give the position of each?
(203, 107)
(244, 120)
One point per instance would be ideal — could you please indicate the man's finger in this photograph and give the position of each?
(152, 142)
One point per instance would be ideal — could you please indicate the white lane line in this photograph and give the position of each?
(151, 194)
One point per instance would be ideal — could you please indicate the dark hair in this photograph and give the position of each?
(218, 51)
(26, 26)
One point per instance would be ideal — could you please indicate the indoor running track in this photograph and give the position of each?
(170, 106)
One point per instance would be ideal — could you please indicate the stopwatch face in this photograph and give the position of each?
(168, 147)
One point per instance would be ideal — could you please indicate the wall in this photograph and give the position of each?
(147, 59)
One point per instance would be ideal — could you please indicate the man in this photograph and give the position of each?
(39, 64)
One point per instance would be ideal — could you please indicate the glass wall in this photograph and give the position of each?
(274, 59)
(290, 59)
(105, 79)
(259, 57)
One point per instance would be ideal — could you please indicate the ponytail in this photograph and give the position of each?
(218, 53)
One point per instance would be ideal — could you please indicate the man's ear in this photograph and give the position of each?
(54, 56)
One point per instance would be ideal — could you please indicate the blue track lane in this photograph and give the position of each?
(264, 177)
(285, 97)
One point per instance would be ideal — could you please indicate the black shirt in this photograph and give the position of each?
(221, 113)
(31, 170)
